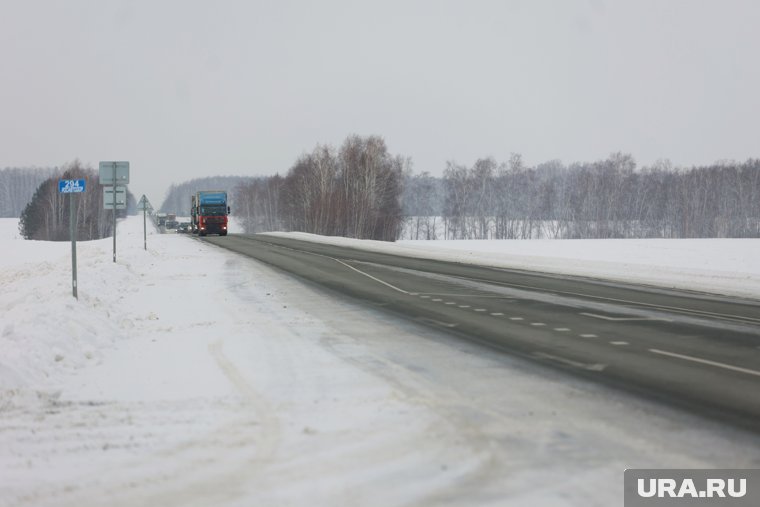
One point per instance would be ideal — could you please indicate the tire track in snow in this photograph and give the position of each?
(270, 428)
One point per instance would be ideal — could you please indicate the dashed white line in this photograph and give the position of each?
(480, 310)
(706, 361)
(562, 329)
(516, 318)
(425, 297)
(497, 314)
(537, 324)
(464, 306)
(618, 343)
(588, 335)
(450, 303)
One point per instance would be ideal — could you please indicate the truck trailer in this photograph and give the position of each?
(208, 212)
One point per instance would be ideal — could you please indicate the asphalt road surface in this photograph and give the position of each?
(697, 351)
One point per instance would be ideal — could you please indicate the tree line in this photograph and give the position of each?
(361, 191)
(352, 191)
(609, 198)
(47, 214)
(17, 186)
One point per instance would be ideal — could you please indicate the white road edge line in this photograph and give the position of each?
(438, 322)
(622, 319)
(371, 277)
(570, 362)
(706, 361)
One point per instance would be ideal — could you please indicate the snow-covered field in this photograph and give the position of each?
(187, 375)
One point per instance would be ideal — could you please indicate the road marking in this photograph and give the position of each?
(692, 312)
(562, 329)
(687, 311)
(706, 361)
(450, 303)
(588, 336)
(537, 324)
(618, 343)
(570, 362)
(438, 322)
(464, 306)
(425, 297)
(503, 299)
(622, 319)
(516, 318)
(480, 310)
(497, 314)
(370, 276)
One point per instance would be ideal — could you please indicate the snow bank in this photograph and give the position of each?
(37, 298)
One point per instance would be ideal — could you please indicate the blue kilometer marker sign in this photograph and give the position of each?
(71, 186)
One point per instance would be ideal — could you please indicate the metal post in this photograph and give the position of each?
(145, 232)
(73, 234)
(114, 211)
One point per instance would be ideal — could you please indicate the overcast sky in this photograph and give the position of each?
(187, 89)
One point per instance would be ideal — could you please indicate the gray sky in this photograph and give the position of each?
(186, 89)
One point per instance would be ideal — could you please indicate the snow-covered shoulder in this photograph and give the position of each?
(720, 266)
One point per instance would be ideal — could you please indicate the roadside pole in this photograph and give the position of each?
(114, 173)
(144, 205)
(73, 234)
(72, 187)
(114, 211)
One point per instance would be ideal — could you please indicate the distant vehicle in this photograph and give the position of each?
(171, 224)
(208, 212)
(161, 219)
(184, 227)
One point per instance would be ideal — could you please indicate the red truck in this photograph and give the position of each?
(208, 212)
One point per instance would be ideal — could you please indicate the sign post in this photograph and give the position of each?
(113, 173)
(114, 212)
(143, 205)
(72, 187)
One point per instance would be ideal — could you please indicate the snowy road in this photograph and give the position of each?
(698, 351)
(166, 384)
